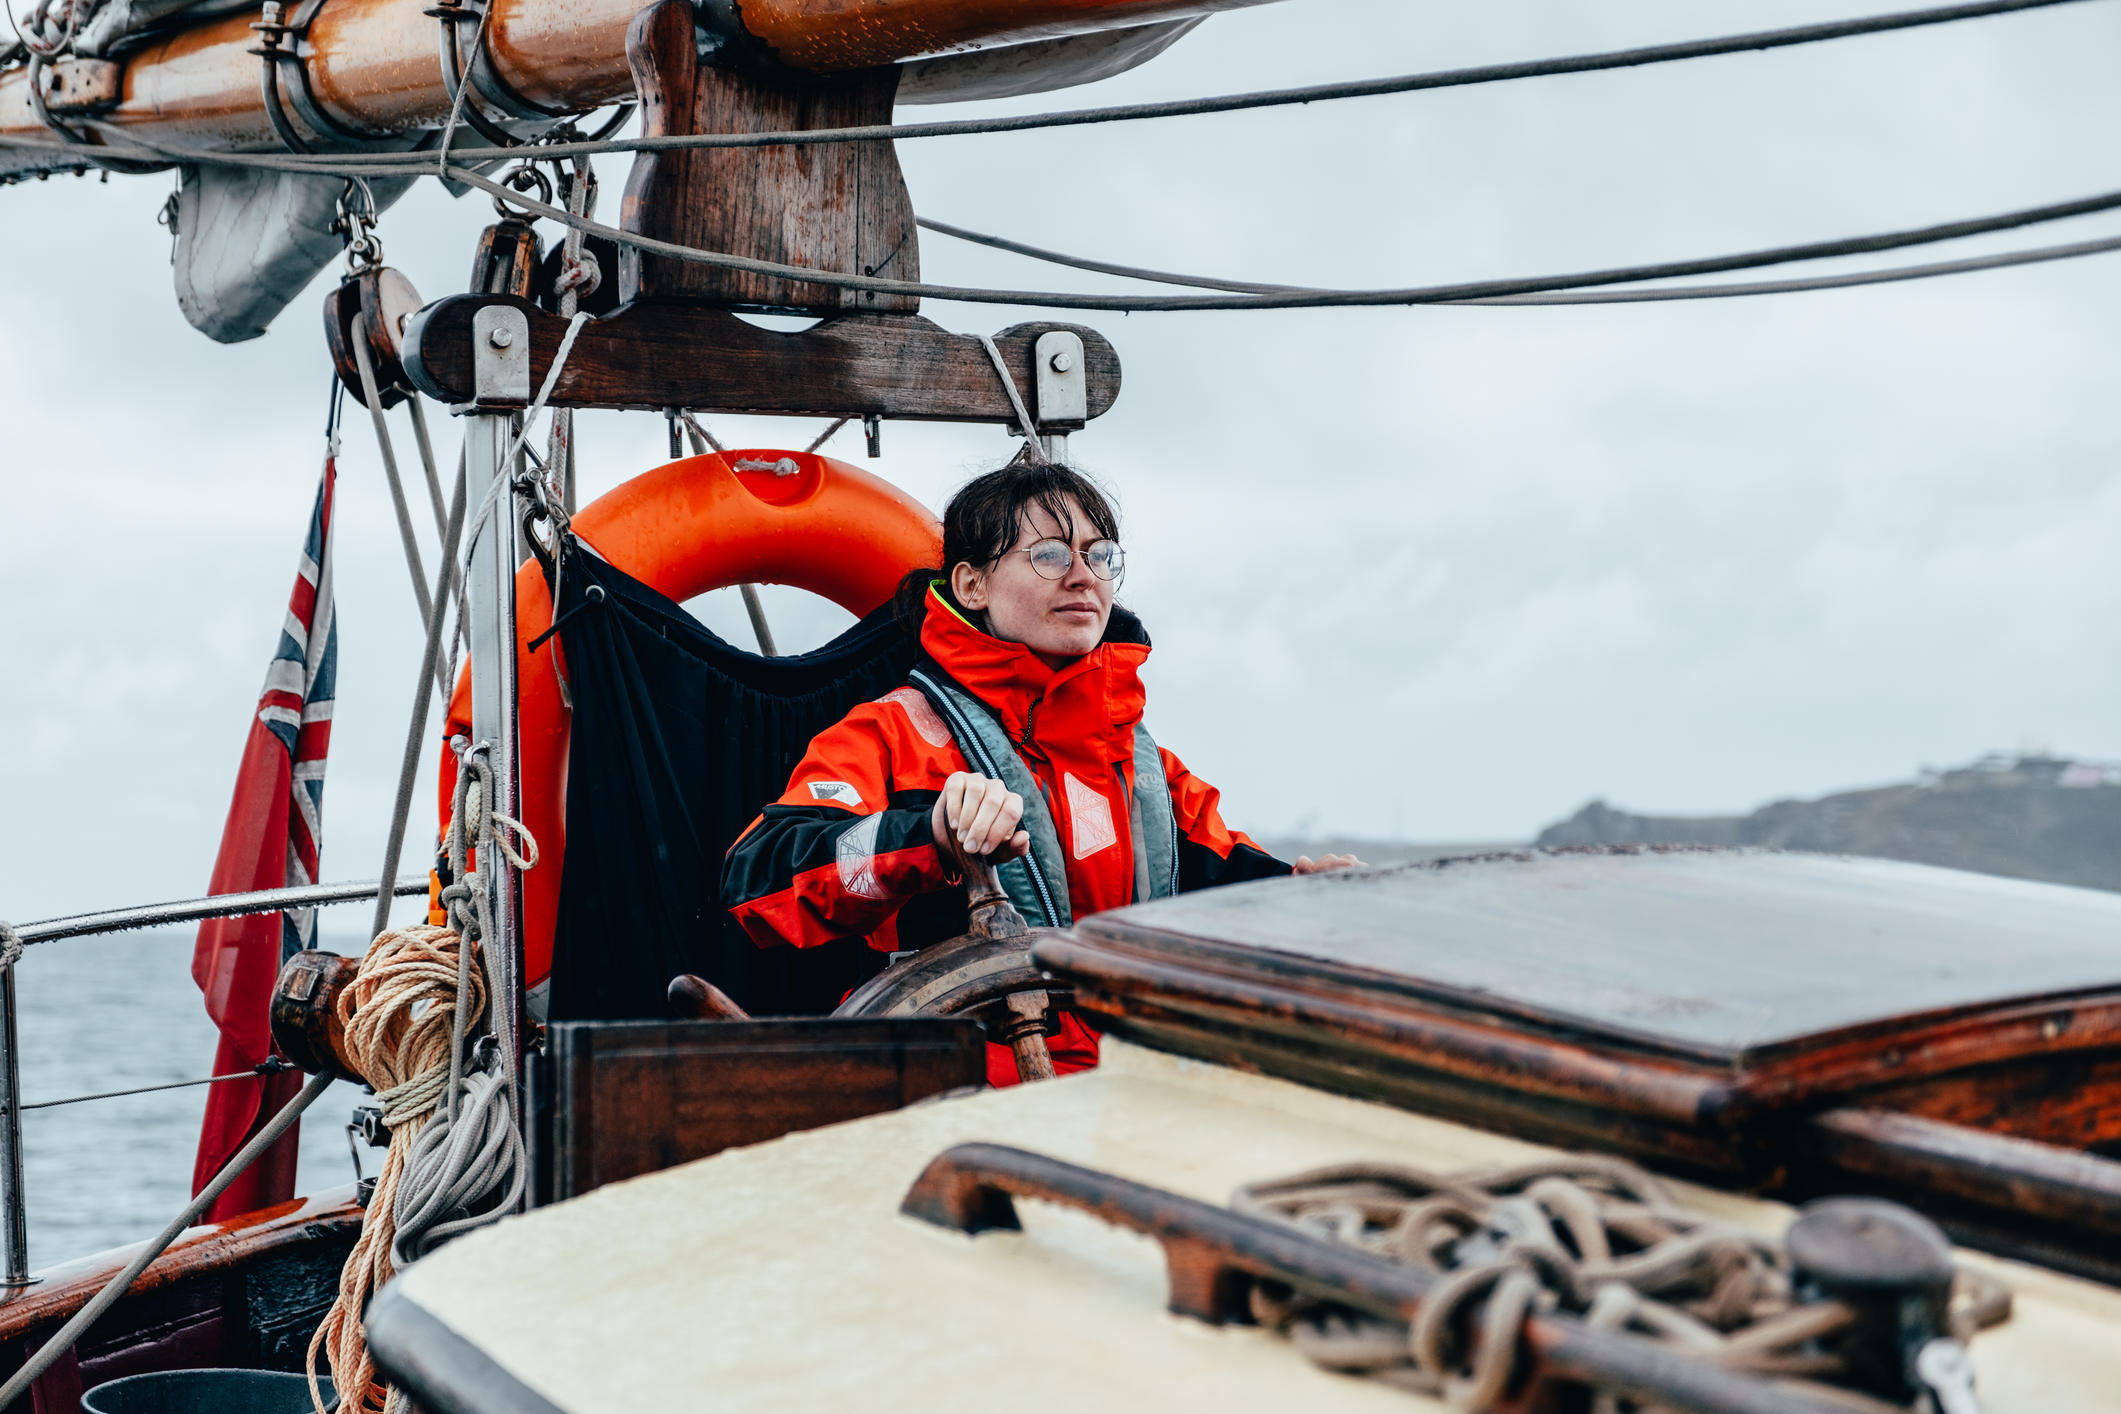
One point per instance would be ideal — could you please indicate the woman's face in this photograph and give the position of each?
(1058, 619)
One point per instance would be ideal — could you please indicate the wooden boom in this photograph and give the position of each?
(372, 65)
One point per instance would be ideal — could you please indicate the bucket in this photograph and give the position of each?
(206, 1392)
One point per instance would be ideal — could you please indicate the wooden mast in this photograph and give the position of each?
(372, 65)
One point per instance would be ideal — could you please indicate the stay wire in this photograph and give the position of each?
(272, 1065)
(2034, 256)
(1465, 292)
(1316, 299)
(1754, 41)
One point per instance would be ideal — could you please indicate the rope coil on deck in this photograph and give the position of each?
(456, 1156)
(1589, 1234)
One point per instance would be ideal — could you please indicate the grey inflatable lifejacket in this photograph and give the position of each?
(1038, 883)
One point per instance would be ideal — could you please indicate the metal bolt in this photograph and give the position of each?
(1061, 361)
(501, 337)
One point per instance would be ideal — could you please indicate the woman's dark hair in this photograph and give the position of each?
(985, 517)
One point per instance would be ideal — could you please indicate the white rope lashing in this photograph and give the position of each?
(1016, 398)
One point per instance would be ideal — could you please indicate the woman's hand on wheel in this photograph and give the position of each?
(1324, 864)
(983, 814)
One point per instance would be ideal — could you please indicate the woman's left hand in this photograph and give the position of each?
(1324, 864)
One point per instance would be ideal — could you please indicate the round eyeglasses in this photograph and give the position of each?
(1054, 558)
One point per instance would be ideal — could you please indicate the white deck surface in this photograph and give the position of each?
(781, 1277)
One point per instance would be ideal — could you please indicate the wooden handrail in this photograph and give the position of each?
(1215, 1254)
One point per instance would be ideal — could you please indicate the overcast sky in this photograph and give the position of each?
(1441, 574)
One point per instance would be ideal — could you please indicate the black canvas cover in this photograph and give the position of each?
(679, 738)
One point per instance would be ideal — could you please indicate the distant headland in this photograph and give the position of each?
(2023, 816)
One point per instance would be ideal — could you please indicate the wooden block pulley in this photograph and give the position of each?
(371, 305)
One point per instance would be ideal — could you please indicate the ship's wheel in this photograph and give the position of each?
(986, 974)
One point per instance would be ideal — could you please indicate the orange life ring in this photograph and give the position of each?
(683, 529)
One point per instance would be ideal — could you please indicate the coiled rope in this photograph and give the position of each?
(456, 1158)
(1588, 1234)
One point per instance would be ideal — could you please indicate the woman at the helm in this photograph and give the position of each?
(1020, 732)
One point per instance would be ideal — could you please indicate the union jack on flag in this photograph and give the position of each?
(296, 708)
(275, 825)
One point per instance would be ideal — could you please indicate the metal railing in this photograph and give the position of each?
(14, 1220)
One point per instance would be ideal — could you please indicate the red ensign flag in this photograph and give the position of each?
(274, 824)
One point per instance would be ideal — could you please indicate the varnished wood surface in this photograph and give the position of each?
(636, 1097)
(1923, 1155)
(2032, 1201)
(653, 355)
(203, 1251)
(2073, 1100)
(371, 63)
(246, 1293)
(840, 207)
(1726, 957)
(1349, 1035)
(1681, 1007)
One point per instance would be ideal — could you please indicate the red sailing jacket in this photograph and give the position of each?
(848, 849)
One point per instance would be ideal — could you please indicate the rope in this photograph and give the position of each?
(39, 20)
(1750, 42)
(48, 1354)
(2034, 256)
(826, 435)
(371, 395)
(404, 1013)
(504, 479)
(1016, 399)
(1592, 1235)
(10, 946)
(427, 465)
(456, 1156)
(702, 439)
(579, 275)
(416, 729)
(456, 104)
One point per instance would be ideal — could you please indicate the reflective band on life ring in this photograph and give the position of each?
(684, 529)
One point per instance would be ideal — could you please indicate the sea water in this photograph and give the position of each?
(112, 1013)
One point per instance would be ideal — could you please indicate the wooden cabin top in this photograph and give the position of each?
(1679, 1003)
(1723, 956)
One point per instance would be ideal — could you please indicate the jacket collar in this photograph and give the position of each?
(1095, 700)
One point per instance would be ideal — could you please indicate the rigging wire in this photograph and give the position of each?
(1249, 295)
(1429, 294)
(1751, 42)
(1892, 274)
(271, 1065)
(1274, 297)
